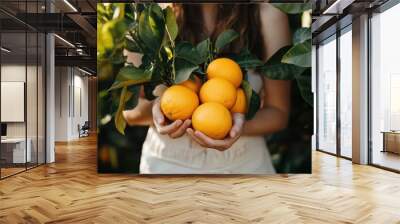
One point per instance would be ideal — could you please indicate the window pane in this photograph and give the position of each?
(41, 98)
(327, 96)
(385, 86)
(15, 149)
(31, 97)
(346, 94)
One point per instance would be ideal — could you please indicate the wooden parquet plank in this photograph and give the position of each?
(70, 191)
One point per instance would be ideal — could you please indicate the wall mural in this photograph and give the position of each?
(184, 93)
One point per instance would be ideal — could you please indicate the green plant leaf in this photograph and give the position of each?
(100, 45)
(183, 69)
(304, 84)
(275, 69)
(203, 49)
(293, 8)
(119, 120)
(281, 71)
(247, 60)
(119, 10)
(151, 27)
(188, 52)
(301, 35)
(132, 46)
(170, 22)
(134, 98)
(253, 100)
(112, 32)
(117, 57)
(148, 90)
(299, 54)
(105, 70)
(224, 39)
(130, 75)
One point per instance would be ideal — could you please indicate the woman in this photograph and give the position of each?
(175, 148)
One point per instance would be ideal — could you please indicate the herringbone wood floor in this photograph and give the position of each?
(70, 191)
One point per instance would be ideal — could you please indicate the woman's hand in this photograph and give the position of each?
(175, 130)
(221, 145)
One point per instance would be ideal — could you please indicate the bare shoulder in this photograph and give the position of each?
(274, 27)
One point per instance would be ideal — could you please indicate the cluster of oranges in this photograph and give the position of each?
(219, 96)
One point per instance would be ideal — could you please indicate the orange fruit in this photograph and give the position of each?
(178, 103)
(213, 119)
(227, 69)
(192, 84)
(219, 91)
(241, 102)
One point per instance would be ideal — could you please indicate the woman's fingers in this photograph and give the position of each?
(208, 142)
(170, 128)
(190, 132)
(159, 90)
(158, 116)
(181, 130)
(175, 129)
(238, 122)
(213, 143)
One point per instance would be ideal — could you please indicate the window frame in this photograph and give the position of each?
(337, 35)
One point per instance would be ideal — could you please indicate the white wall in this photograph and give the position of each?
(14, 73)
(71, 93)
(61, 103)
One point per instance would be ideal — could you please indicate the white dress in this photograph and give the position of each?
(164, 155)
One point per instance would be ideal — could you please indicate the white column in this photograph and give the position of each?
(50, 98)
(360, 90)
(50, 92)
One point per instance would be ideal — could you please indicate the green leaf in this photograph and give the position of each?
(132, 46)
(188, 52)
(130, 75)
(253, 100)
(170, 22)
(225, 38)
(148, 90)
(293, 8)
(119, 10)
(117, 57)
(134, 98)
(304, 84)
(152, 27)
(113, 102)
(275, 69)
(119, 120)
(301, 35)
(203, 48)
(299, 54)
(112, 32)
(247, 60)
(281, 71)
(183, 69)
(105, 70)
(100, 46)
(106, 38)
